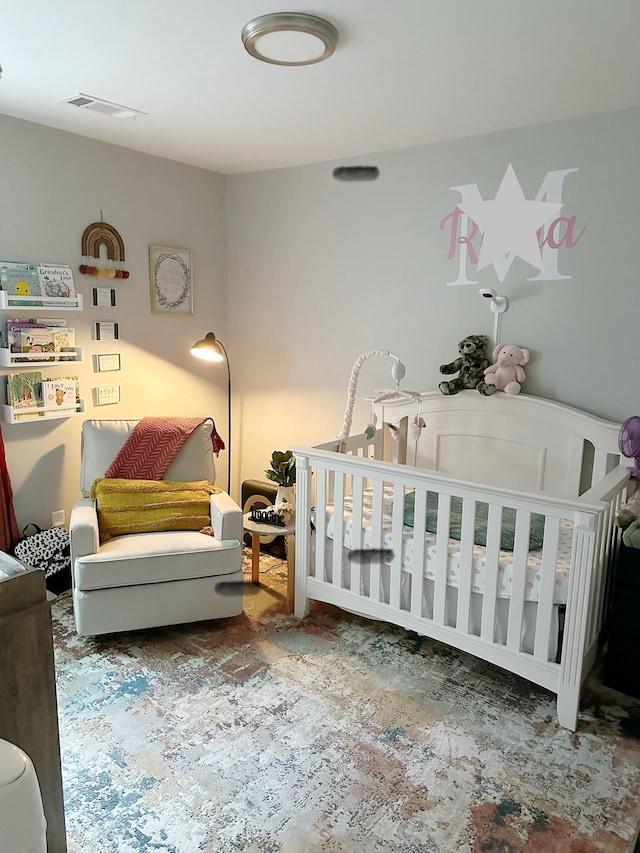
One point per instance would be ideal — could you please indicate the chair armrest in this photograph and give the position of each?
(84, 533)
(226, 517)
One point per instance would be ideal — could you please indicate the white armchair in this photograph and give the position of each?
(145, 580)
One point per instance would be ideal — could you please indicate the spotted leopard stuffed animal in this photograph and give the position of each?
(471, 365)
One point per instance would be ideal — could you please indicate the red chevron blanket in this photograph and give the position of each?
(152, 446)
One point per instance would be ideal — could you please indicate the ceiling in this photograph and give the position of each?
(404, 73)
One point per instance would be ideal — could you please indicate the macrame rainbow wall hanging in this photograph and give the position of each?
(101, 234)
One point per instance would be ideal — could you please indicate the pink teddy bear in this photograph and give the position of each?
(507, 374)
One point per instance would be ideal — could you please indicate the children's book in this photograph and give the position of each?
(24, 392)
(63, 339)
(41, 341)
(12, 338)
(19, 279)
(56, 280)
(60, 393)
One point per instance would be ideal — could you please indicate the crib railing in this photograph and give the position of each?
(371, 577)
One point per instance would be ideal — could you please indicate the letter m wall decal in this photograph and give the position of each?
(465, 237)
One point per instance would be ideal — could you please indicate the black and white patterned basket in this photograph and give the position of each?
(48, 550)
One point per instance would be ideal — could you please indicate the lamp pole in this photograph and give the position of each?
(211, 349)
(228, 416)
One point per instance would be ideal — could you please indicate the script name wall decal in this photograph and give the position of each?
(511, 226)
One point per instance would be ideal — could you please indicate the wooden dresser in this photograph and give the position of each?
(28, 702)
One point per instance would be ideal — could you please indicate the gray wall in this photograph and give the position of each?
(54, 185)
(322, 271)
(316, 272)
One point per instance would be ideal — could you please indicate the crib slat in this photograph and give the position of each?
(397, 525)
(465, 582)
(494, 526)
(376, 538)
(418, 562)
(547, 587)
(356, 533)
(319, 571)
(519, 579)
(442, 559)
(338, 529)
(593, 618)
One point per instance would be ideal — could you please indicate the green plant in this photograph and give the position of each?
(283, 468)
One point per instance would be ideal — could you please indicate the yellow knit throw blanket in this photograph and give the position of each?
(146, 506)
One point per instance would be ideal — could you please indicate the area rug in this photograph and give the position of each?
(265, 733)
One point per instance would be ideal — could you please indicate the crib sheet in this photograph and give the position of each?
(505, 565)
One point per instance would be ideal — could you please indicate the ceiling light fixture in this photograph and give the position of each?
(287, 38)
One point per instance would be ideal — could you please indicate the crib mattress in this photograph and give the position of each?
(505, 564)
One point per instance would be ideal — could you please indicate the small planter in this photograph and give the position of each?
(285, 504)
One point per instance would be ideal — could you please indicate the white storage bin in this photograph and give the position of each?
(23, 826)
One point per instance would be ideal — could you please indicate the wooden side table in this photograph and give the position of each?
(257, 530)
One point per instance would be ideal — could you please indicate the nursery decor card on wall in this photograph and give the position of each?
(107, 331)
(106, 395)
(171, 280)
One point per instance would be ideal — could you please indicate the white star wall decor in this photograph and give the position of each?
(509, 223)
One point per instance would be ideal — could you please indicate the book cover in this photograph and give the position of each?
(49, 321)
(24, 392)
(12, 337)
(60, 393)
(19, 279)
(63, 339)
(40, 341)
(56, 280)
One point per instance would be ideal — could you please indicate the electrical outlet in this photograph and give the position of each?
(57, 518)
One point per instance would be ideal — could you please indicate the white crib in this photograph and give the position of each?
(494, 531)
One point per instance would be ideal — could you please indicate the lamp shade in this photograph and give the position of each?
(208, 349)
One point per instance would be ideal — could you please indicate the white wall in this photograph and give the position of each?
(321, 271)
(53, 185)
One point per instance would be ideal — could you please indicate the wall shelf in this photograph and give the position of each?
(40, 413)
(51, 303)
(26, 360)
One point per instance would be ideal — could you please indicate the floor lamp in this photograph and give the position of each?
(211, 349)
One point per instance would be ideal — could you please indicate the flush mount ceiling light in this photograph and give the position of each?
(287, 38)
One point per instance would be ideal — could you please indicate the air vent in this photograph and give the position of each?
(98, 105)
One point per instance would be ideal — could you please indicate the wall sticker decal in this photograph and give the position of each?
(496, 231)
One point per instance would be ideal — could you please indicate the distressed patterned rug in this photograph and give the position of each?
(263, 733)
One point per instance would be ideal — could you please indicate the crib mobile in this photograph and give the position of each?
(397, 373)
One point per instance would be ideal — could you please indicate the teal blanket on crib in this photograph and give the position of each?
(507, 536)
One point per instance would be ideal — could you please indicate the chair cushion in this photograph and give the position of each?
(102, 440)
(146, 558)
(144, 506)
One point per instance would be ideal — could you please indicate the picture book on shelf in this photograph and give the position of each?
(56, 280)
(33, 336)
(63, 392)
(19, 279)
(63, 339)
(12, 337)
(24, 394)
(40, 341)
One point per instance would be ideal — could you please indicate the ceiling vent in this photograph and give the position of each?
(97, 105)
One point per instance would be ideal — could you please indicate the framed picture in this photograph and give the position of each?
(106, 395)
(107, 331)
(171, 277)
(107, 361)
